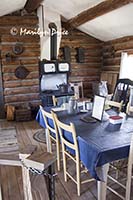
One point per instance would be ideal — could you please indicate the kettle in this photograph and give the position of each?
(72, 106)
(63, 88)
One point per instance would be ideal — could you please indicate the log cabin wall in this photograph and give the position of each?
(19, 91)
(111, 59)
(89, 69)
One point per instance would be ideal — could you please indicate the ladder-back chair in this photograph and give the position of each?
(52, 133)
(59, 101)
(55, 100)
(129, 109)
(129, 177)
(70, 150)
(121, 91)
(114, 104)
(77, 86)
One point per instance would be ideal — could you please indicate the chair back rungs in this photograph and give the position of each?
(52, 133)
(69, 143)
(126, 187)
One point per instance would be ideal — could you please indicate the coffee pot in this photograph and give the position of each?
(63, 88)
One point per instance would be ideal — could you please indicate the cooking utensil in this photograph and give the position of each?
(21, 72)
(63, 88)
(18, 48)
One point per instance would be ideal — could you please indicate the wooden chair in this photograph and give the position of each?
(108, 104)
(52, 133)
(118, 165)
(126, 187)
(61, 101)
(129, 109)
(121, 91)
(77, 86)
(114, 104)
(66, 146)
(55, 100)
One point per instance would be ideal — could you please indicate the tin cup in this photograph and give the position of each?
(87, 105)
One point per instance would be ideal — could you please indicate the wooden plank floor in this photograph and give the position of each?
(11, 176)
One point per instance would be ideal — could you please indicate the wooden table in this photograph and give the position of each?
(104, 143)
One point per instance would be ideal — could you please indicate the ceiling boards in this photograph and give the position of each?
(9, 6)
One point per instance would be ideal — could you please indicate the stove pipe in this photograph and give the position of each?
(53, 41)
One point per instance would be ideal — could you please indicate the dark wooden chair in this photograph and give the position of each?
(121, 91)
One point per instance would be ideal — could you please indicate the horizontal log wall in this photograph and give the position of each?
(89, 70)
(111, 58)
(20, 91)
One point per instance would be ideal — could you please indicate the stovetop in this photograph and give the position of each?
(57, 93)
(48, 91)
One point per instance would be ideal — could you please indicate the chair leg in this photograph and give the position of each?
(117, 174)
(128, 184)
(129, 171)
(78, 178)
(0, 192)
(50, 145)
(64, 163)
(48, 141)
(128, 189)
(58, 155)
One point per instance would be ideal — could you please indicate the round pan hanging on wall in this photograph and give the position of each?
(21, 72)
(18, 48)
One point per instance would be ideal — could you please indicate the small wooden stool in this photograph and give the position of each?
(41, 163)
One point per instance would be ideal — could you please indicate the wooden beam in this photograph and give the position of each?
(32, 5)
(98, 10)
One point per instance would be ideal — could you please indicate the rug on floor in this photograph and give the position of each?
(39, 136)
(8, 141)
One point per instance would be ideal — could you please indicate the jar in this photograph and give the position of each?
(72, 106)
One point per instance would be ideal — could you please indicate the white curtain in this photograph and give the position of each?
(126, 66)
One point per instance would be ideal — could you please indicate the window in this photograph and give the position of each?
(126, 68)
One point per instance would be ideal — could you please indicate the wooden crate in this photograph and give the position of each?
(10, 113)
(23, 114)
